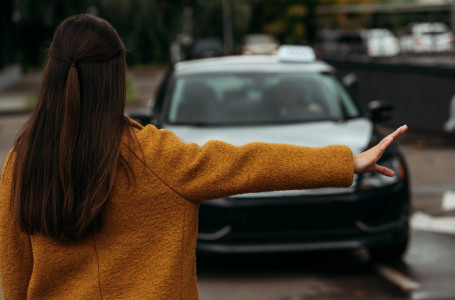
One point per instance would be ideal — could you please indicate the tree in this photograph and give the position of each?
(290, 21)
(145, 26)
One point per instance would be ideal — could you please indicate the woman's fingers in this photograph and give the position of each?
(382, 146)
(366, 161)
(398, 132)
(384, 171)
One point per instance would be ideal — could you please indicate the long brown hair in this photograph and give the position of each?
(68, 153)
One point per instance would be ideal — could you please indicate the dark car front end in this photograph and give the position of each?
(231, 99)
(356, 218)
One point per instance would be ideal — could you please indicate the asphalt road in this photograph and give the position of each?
(428, 265)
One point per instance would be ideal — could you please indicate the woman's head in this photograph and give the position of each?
(87, 51)
(68, 152)
(86, 38)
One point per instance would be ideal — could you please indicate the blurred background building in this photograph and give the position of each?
(151, 29)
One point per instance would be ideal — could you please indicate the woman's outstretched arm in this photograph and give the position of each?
(367, 160)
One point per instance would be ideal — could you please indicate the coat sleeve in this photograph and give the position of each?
(219, 169)
(16, 260)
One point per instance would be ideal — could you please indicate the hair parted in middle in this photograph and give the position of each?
(67, 155)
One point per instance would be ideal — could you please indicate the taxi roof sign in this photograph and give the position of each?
(289, 53)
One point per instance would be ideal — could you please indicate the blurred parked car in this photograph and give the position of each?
(381, 42)
(206, 47)
(259, 44)
(341, 43)
(286, 98)
(427, 37)
(449, 125)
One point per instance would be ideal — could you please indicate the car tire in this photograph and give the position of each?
(391, 253)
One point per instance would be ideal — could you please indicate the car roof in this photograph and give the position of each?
(248, 64)
(430, 26)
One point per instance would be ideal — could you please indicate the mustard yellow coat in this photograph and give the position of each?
(146, 249)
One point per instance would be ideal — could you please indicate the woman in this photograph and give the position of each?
(93, 205)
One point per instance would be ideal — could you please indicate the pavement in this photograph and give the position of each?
(15, 97)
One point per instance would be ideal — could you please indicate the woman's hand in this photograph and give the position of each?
(366, 161)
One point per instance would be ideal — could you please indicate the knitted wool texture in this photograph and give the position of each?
(146, 249)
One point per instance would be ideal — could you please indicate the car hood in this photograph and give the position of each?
(355, 134)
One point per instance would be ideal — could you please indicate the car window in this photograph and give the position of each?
(350, 39)
(219, 99)
(431, 28)
(157, 103)
(207, 44)
(259, 39)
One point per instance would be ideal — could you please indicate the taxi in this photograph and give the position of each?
(292, 98)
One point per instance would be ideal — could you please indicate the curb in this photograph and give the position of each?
(9, 75)
(15, 112)
(15, 103)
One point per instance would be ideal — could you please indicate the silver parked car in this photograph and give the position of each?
(285, 98)
(381, 42)
(427, 37)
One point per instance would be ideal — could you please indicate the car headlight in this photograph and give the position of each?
(375, 180)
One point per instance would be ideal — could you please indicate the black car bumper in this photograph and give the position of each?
(372, 218)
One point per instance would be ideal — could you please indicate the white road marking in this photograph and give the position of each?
(448, 201)
(432, 190)
(402, 281)
(422, 221)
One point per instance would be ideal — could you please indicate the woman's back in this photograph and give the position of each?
(142, 252)
(146, 248)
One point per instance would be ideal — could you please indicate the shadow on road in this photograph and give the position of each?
(319, 275)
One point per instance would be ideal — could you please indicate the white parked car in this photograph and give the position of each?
(293, 98)
(427, 37)
(381, 42)
(262, 44)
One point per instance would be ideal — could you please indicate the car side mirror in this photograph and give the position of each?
(351, 81)
(380, 110)
(143, 116)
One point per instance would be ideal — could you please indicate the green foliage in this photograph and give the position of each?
(130, 92)
(148, 27)
(290, 21)
(32, 100)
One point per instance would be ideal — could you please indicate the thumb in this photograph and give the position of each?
(383, 170)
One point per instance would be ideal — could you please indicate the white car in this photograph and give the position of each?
(381, 42)
(259, 44)
(286, 98)
(427, 37)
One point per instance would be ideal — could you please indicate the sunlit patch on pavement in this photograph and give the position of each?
(448, 201)
(422, 221)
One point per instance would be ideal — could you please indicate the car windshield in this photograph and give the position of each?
(222, 99)
(207, 44)
(432, 28)
(259, 39)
